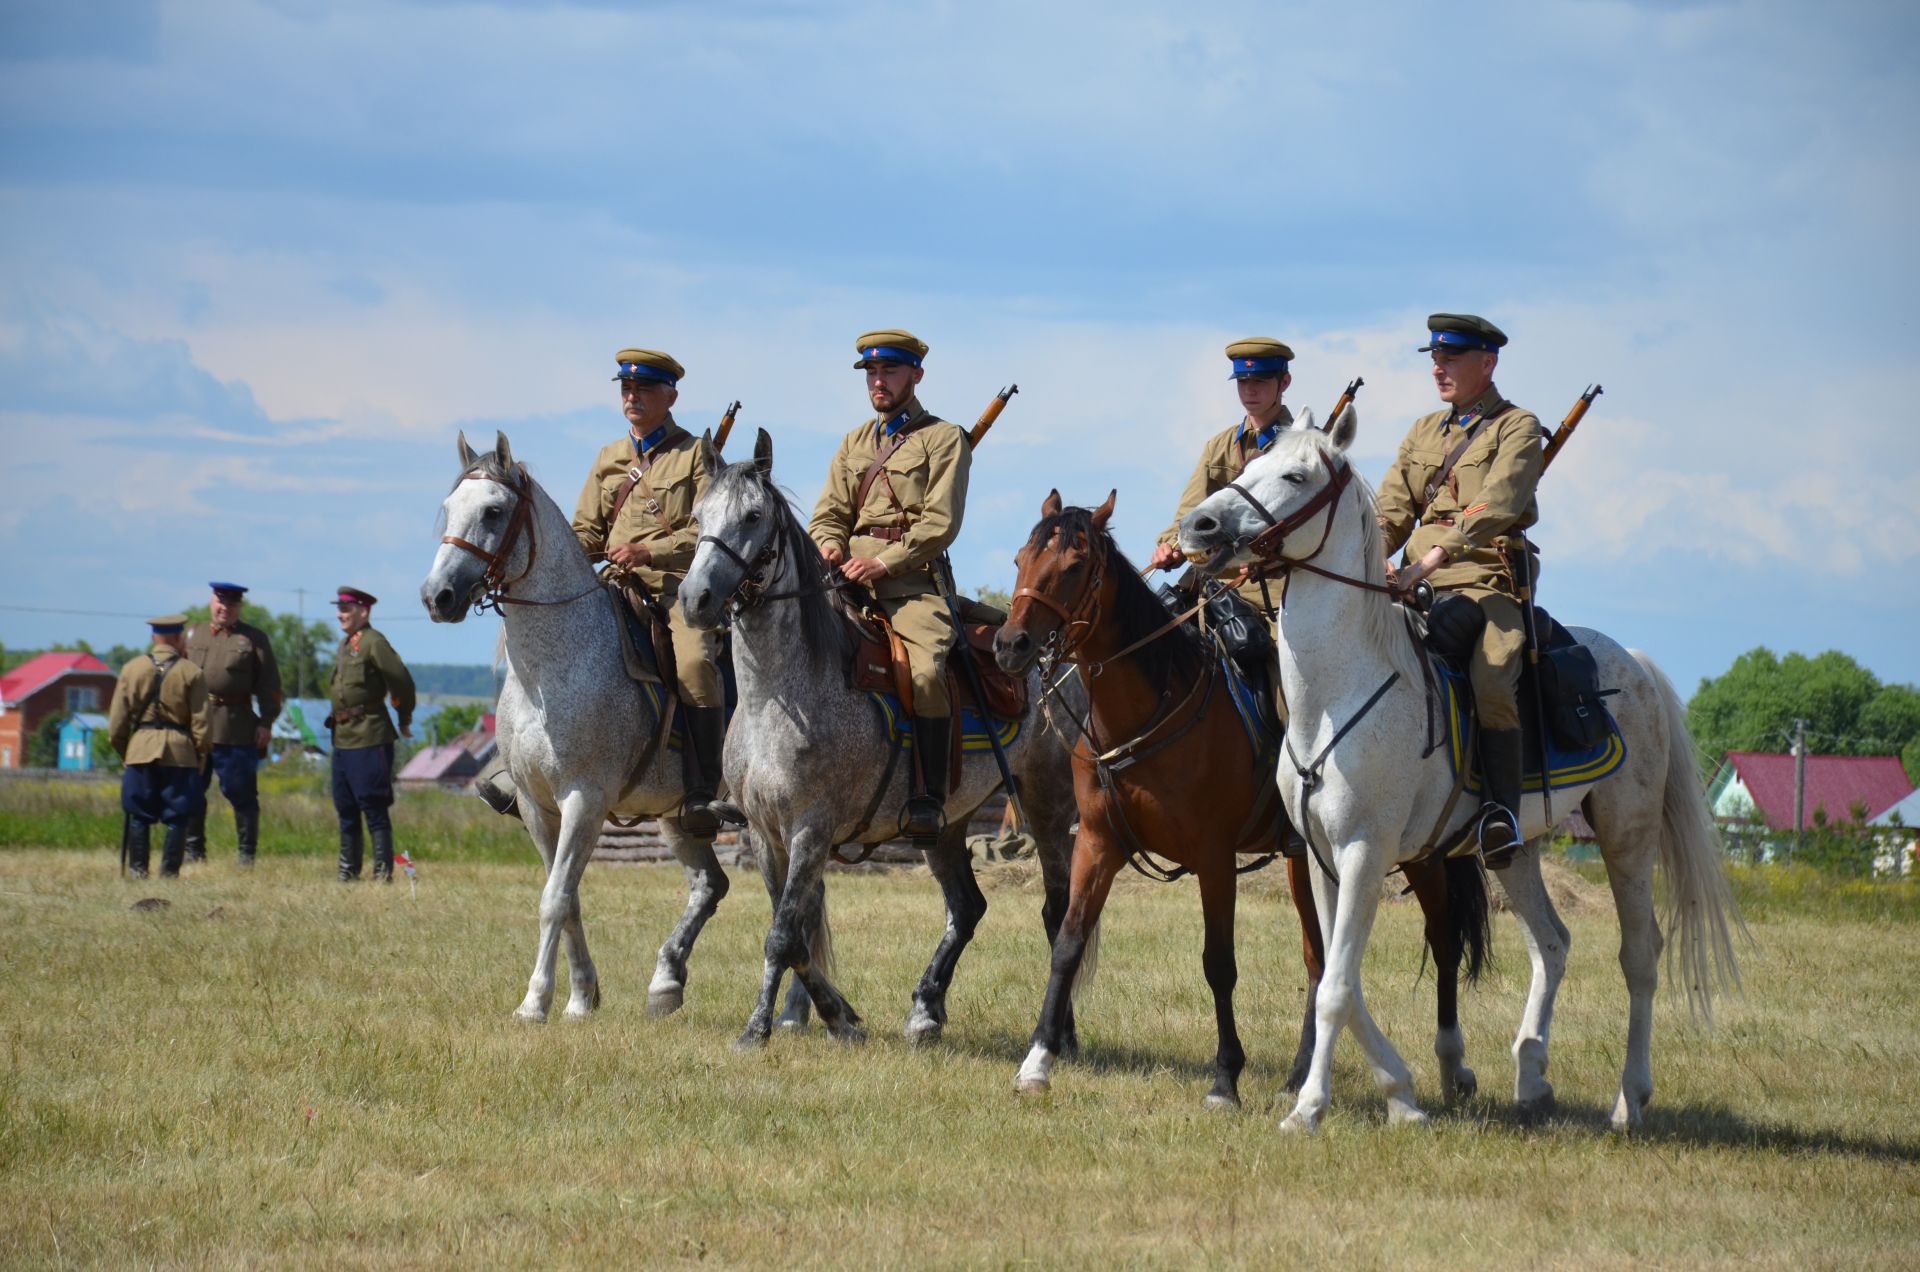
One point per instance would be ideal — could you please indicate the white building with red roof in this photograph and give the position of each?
(1754, 786)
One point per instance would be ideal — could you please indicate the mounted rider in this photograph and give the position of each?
(636, 512)
(1458, 498)
(892, 504)
(1259, 371)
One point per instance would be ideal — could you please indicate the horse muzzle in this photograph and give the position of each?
(1014, 650)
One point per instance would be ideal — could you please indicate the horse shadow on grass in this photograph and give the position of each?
(1690, 1126)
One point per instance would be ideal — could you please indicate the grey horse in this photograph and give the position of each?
(809, 756)
(581, 738)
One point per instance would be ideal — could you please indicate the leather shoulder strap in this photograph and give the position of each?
(637, 476)
(879, 464)
(1460, 448)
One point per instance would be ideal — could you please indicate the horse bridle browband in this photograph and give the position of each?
(1269, 543)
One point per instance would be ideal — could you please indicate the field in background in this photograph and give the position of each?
(278, 1067)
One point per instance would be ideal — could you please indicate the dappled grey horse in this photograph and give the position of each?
(811, 760)
(581, 738)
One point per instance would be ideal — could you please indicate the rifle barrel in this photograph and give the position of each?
(1561, 434)
(1346, 400)
(992, 413)
(726, 427)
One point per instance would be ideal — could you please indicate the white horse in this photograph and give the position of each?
(581, 738)
(1356, 782)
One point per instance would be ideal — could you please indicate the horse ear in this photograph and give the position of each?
(1050, 506)
(709, 455)
(1343, 429)
(503, 450)
(763, 452)
(1104, 511)
(1306, 421)
(467, 454)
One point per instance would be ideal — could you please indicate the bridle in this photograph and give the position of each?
(1268, 545)
(1078, 621)
(494, 583)
(751, 590)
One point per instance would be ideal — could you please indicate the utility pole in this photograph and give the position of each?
(1799, 782)
(300, 654)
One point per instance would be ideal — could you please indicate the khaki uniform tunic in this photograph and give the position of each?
(1223, 457)
(658, 515)
(1489, 494)
(172, 732)
(240, 669)
(366, 672)
(927, 476)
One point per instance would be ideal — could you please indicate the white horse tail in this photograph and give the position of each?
(820, 948)
(1089, 964)
(1701, 913)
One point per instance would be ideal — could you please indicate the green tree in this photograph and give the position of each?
(998, 597)
(1848, 711)
(304, 652)
(43, 744)
(450, 722)
(105, 758)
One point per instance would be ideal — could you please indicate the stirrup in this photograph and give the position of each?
(939, 820)
(1498, 855)
(727, 811)
(699, 819)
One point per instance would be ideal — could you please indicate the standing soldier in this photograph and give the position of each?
(636, 511)
(237, 660)
(1259, 369)
(1457, 498)
(892, 504)
(366, 673)
(158, 724)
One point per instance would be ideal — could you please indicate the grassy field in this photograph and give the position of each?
(277, 1067)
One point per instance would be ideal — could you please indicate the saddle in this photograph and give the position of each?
(646, 642)
(1567, 675)
(880, 666)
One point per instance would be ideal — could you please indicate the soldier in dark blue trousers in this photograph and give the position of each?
(366, 674)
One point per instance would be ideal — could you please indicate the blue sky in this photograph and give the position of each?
(259, 263)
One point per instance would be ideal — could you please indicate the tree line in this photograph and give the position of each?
(1847, 709)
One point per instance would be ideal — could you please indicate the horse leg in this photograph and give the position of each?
(1313, 952)
(706, 886)
(1096, 860)
(1548, 942)
(1341, 1001)
(1217, 895)
(798, 1008)
(797, 922)
(1457, 1081)
(573, 844)
(774, 873)
(952, 866)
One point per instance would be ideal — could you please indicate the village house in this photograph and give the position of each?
(54, 685)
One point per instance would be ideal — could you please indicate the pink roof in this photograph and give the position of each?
(432, 763)
(39, 672)
(1834, 782)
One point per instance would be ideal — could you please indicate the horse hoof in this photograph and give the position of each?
(1032, 1086)
(851, 1035)
(1298, 1123)
(791, 1024)
(1626, 1117)
(530, 1015)
(664, 1002)
(1463, 1087)
(577, 1011)
(1406, 1115)
(1222, 1100)
(1538, 1109)
(749, 1042)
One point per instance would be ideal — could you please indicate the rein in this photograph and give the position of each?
(494, 583)
(1161, 731)
(1269, 543)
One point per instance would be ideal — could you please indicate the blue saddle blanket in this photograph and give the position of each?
(1564, 768)
(1246, 702)
(973, 726)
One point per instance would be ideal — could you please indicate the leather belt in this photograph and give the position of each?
(228, 700)
(346, 715)
(163, 724)
(890, 534)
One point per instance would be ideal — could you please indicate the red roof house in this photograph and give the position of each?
(51, 684)
(1753, 785)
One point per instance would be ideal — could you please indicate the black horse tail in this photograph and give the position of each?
(1470, 916)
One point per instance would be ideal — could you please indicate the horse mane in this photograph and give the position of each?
(1137, 610)
(823, 628)
(1381, 621)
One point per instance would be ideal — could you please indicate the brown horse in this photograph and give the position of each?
(1167, 767)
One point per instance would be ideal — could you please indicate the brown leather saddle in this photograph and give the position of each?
(646, 642)
(880, 666)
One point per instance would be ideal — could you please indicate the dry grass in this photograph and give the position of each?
(277, 1068)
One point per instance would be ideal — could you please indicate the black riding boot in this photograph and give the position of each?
(495, 785)
(197, 835)
(1499, 829)
(927, 808)
(246, 826)
(700, 767)
(351, 846)
(382, 854)
(139, 845)
(173, 851)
